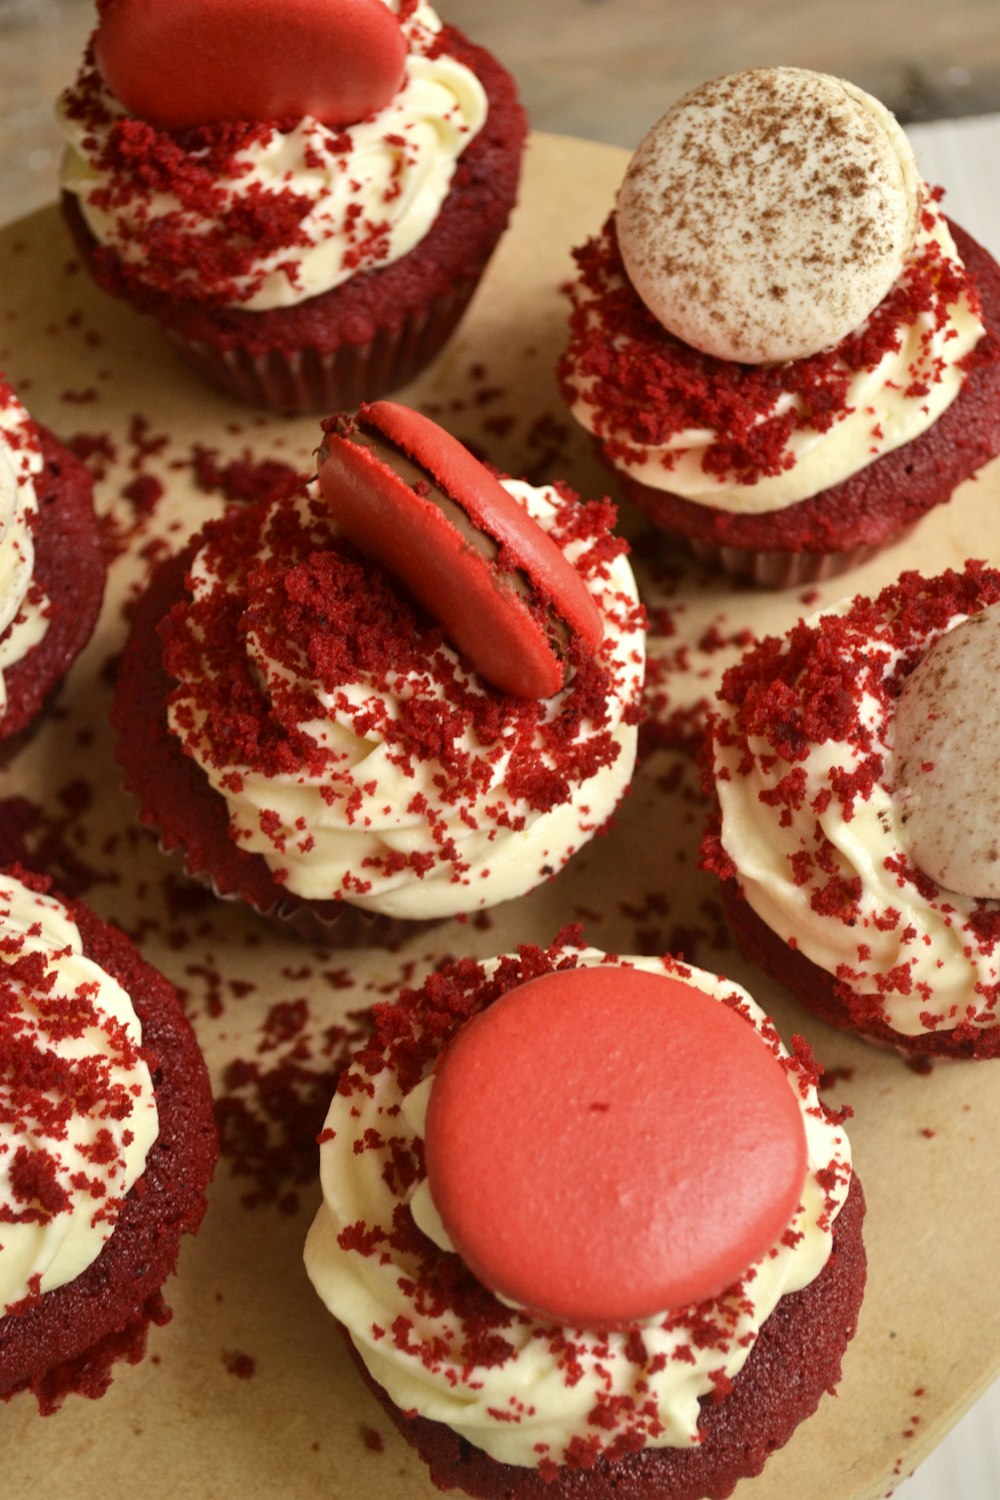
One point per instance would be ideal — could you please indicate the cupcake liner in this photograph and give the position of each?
(780, 570)
(298, 382)
(772, 568)
(331, 924)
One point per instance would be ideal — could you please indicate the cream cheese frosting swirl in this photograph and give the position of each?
(520, 1389)
(928, 325)
(812, 827)
(77, 1110)
(23, 607)
(262, 216)
(373, 765)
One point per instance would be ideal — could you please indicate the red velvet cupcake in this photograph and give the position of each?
(52, 565)
(335, 707)
(308, 221)
(542, 1308)
(108, 1145)
(784, 387)
(853, 771)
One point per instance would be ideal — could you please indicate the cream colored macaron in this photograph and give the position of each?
(946, 759)
(768, 213)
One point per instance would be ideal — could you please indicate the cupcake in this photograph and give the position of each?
(52, 566)
(303, 196)
(855, 834)
(781, 344)
(409, 692)
(545, 1310)
(107, 1143)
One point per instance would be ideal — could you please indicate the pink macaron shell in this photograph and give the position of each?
(604, 1144)
(197, 62)
(490, 507)
(482, 614)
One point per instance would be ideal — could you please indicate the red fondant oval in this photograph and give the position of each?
(604, 1144)
(197, 62)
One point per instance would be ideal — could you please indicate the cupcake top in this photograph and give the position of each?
(23, 606)
(361, 753)
(776, 301)
(77, 1110)
(612, 1358)
(265, 211)
(836, 802)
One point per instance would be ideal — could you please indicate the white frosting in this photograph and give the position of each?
(23, 610)
(362, 806)
(388, 174)
(768, 213)
(90, 1154)
(911, 948)
(523, 1408)
(879, 415)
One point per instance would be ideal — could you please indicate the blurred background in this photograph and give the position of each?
(601, 69)
(606, 70)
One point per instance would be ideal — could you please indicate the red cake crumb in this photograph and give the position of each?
(243, 1366)
(271, 1106)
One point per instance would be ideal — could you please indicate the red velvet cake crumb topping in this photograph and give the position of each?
(324, 615)
(645, 386)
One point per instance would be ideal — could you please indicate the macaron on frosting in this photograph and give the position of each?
(776, 301)
(602, 1189)
(844, 822)
(412, 496)
(292, 181)
(358, 749)
(532, 1387)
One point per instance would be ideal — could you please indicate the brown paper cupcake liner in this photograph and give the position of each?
(312, 380)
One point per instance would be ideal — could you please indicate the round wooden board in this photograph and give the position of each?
(247, 1392)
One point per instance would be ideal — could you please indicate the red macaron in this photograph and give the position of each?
(197, 62)
(412, 497)
(604, 1143)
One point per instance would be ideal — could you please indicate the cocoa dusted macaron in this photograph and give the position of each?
(550, 1175)
(302, 195)
(783, 347)
(52, 563)
(356, 706)
(853, 782)
(107, 1144)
